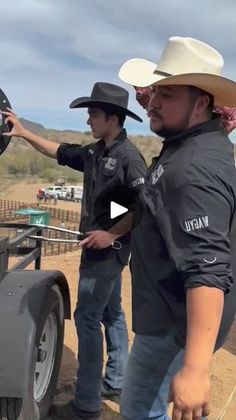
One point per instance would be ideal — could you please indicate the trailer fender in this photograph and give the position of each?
(22, 297)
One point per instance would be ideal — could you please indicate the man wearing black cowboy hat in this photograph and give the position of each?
(110, 162)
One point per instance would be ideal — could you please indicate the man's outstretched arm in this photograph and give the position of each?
(47, 147)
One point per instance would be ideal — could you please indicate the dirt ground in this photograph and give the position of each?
(223, 366)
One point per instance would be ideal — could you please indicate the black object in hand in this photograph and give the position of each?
(4, 128)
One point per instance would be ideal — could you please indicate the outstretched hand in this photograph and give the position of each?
(17, 128)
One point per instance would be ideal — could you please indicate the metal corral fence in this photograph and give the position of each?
(7, 208)
(7, 213)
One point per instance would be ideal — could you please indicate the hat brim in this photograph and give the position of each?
(87, 102)
(140, 73)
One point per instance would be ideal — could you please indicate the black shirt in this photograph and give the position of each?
(183, 239)
(104, 167)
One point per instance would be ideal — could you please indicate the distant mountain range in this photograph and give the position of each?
(32, 126)
(149, 145)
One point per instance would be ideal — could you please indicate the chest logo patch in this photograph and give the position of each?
(91, 152)
(138, 181)
(157, 174)
(201, 222)
(111, 164)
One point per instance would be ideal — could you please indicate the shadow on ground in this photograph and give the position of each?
(66, 386)
(230, 344)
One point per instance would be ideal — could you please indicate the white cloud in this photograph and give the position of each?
(54, 50)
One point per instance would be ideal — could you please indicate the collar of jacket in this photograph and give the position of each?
(117, 140)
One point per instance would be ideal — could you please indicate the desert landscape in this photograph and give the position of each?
(223, 366)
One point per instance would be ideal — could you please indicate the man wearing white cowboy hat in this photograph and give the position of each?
(112, 161)
(182, 272)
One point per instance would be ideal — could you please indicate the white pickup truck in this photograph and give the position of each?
(64, 194)
(53, 191)
(78, 194)
(72, 193)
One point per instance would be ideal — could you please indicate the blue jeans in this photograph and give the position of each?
(99, 301)
(152, 364)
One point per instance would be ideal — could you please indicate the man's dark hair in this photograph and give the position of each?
(196, 92)
(113, 110)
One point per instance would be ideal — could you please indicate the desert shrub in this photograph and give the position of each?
(49, 174)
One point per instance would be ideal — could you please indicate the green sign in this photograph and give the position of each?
(36, 217)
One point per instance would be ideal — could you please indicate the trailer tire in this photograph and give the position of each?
(43, 381)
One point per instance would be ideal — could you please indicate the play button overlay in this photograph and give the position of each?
(116, 210)
(114, 204)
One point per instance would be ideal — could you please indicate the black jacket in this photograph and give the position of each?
(183, 239)
(104, 167)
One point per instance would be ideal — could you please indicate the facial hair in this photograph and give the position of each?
(183, 125)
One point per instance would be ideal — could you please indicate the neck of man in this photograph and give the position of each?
(111, 136)
(198, 120)
(187, 124)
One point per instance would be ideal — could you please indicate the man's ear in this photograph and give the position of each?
(114, 120)
(201, 104)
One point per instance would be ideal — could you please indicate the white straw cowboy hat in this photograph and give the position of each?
(185, 61)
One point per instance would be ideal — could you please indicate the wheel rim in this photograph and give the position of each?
(45, 357)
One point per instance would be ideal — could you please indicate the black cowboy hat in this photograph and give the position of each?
(106, 93)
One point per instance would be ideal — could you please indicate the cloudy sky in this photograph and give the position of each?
(52, 51)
